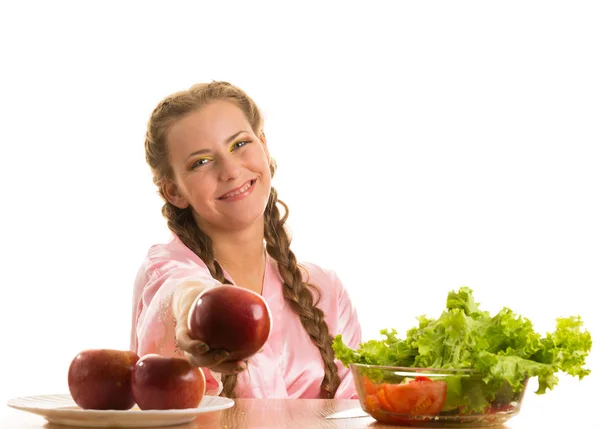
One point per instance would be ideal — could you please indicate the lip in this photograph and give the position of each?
(227, 196)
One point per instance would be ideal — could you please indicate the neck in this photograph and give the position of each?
(241, 253)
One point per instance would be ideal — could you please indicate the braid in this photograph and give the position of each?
(298, 294)
(182, 223)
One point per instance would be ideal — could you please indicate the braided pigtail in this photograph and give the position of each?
(299, 294)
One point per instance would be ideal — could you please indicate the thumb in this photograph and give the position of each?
(187, 343)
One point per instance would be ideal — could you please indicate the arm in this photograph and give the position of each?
(164, 292)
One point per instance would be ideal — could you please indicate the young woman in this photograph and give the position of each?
(210, 161)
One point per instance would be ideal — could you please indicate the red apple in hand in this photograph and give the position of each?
(163, 383)
(231, 318)
(100, 379)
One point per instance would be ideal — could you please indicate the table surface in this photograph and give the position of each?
(310, 413)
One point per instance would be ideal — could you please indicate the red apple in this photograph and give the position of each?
(164, 383)
(231, 318)
(100, 379)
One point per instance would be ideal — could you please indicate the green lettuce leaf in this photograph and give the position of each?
(504, 349)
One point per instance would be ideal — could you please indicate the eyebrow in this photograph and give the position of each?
(229, 140)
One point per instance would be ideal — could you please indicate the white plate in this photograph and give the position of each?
(61, 409)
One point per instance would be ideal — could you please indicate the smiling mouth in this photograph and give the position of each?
(244, 188)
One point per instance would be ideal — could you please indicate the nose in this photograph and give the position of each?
(230, 168)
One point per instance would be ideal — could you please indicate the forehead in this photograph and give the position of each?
(207, 127)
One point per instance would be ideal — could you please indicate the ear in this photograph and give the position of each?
(263, 140)
(173, 195)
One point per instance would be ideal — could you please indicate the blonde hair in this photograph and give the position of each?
(297, 293)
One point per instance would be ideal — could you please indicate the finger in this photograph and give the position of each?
(185, 342)
(230, 368)
(183, 333)
(209, 359)
(192, 346)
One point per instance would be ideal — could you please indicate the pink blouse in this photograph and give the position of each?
(289, 366)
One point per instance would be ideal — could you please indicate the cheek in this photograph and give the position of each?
(258, 162)
(201, 191)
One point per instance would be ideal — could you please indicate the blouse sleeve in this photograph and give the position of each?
(349, 327)
(153, 323)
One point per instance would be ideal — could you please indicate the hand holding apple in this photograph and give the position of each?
(200, 355)
(197, 352)
(231, 319)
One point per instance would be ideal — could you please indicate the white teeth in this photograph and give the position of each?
(241, 191)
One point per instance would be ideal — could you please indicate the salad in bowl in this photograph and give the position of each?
(465, 368)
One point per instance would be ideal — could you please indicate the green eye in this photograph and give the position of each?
(200, 162)
(239, 144)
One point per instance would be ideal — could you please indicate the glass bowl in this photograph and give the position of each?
(431, 397)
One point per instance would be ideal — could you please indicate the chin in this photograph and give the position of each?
(245, 220)
(237, 218)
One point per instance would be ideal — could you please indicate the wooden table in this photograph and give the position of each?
(310, 414)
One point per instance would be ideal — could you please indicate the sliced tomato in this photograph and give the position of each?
(372, 403)
(369, 386)
(422, 378)
(383, 400)
(421, 396)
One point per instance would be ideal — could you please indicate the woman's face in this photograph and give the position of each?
(220, 168)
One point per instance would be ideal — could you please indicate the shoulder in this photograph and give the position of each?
(326, 279)
(162, 257)
(316, 271)
(173, 250)
(335, 301)
(169, 259)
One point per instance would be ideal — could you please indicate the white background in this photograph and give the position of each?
(421, 147)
